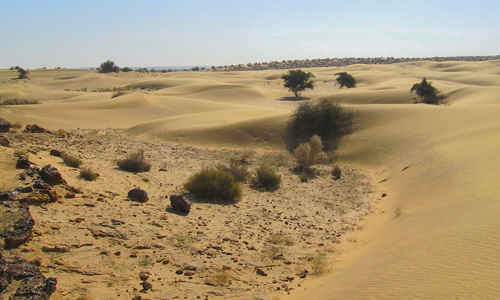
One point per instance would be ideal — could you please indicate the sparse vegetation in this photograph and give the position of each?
(145, 261)
(281, 239)
(318, 263)
(136, 162)
(307, 153)
(126, 69)
(71, 161)
(214, 184)
(23, 74)
(219, 278)
(237, 169)
(109, 67)
(297, 81)
(326, 118)
(88, 174)
(427, 93)
(346, 79)
(266, 177)
(17, 101)
(399, 211)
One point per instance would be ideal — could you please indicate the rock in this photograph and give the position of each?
(55, 152)
(35, 129)
(23, 162)
(138, 194)
(4, 141)
(179, 272)
(384, 195)
(69, 196)
(58, 249)
(137, 298)
(24, 189)
(261, 272)
(178, 202)
(7, 195)
(303, 274)
(5, 125)
(40, 185)
(40, 197)
(146, 285)
(144, 275)
(50, 174)
(23, 281)
(17, 224)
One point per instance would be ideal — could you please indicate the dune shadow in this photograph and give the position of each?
(177, 212)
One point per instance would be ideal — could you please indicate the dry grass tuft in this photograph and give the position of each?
(88, 174)
(135, 162)
(71, 161)
(214, 184)
(219, 278)
(266, 177)
(336, 172)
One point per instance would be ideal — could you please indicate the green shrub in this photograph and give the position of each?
(214, 184)
(237, 169)
(88, 174)
(427, 93)
(71, 161)
(109, 67)
(346, 79)
(134, 163)
(17, 101)
(266, 177)
(326, 118)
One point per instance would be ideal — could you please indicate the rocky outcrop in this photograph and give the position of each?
(5, 125)
(138, 195)
(178, 202)
(50, 174)
(23, 162)
(35, 129)
(4, 141)
(16, 223)
(20, 280)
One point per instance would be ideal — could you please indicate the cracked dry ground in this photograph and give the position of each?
(98, 243)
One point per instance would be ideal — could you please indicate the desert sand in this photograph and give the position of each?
(433, 236)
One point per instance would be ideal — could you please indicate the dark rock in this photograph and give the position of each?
(144, 275)
(146, 285)
(24, 189)
(40, 185)
(23, 162)
(51, 175)
(35, 129)
(57, 249)
(17, 224)
(55, 152)
(261, 272)
(69, 196)
(7, 195)
(5, 125)
(303, 274)
(180, 203)
(4, 141)
(179, 272)
(384, 195)
(138, 195)
(22, 270)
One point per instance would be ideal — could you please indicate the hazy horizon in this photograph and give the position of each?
(76, 34)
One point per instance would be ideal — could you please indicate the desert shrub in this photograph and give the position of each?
(346, 79)
(17, 101)
(318, 263)
(214, 184)
(219, 278)
(71, 161)
(297, 81)
(266, 177)
(23, 74)
(307, 153)
(427, 93)
(336, 172)
(126, 69)
(88, 174)
(238, 170)
(135, 162)
(108, 67)
(326, 118)
(281, 239)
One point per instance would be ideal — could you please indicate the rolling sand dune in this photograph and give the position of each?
(434, 236)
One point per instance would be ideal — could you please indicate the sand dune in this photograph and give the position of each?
(435, 235)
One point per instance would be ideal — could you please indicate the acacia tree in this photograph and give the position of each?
(427, 93)
(297, 80)
(108, 67)
(23, 74)
(346, 79)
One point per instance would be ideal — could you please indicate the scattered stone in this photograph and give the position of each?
(180, 203)
(23, 162)
(179, 272)
(226, 267)
(40, 185)
(5, 125)
(384, 195)
(40, 197)
(35, 129)
(7, 195)
(69, 196)
(58, 249)
(287, 262)
(24, 189)
(303, 274)
(137, 298)
(55, 152)
(104, 231)
(144, 275)
(51, 175)
(261, 272)
(138, 194)
(146, 285)
(4, 141)
(17, 224)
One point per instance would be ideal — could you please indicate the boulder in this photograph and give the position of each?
(20, 280)
(23, 162)
(178, 202)
(50, 174)
(138, 194)
(16, 225)
(35, 129)
(5, 125)
(55, 152)
(4, 141)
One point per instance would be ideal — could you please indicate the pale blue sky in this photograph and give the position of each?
(70, 33)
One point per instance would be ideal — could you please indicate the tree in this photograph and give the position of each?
(108, 67)
(427, 93)
(126, 69)
(23, 74)
(346, 79)
(297, 80)
(326, 118)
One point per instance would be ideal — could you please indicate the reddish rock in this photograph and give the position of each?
(5, 125)
(180, 203)
(51, 175)
(138, 194)
(17, 224)
(4, 141)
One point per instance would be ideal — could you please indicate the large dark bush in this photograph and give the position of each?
(346, 79)
(326, 118)
(214, 184)
(266, 177)
(297, 81)
(109, 67)
(23, 74)
(427, 93)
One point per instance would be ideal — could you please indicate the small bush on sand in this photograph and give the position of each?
(219, 278)
(307, 153)
(238, 170)
(214, 184)
(336, 172)
(427, 93)
(88, 174)
(71, 161)
(266, 177)
(135, 162)
(17, 101)
(318, 263)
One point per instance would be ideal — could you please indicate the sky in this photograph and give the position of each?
(142, 33)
